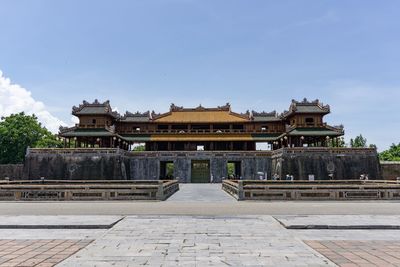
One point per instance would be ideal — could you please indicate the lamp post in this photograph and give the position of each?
(75, 141)
(114, 138)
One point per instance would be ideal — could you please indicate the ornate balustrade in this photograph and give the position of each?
(37, 190)
(312, 190)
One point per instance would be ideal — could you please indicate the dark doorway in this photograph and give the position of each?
(234, 169)
(200, 171)
(167, 170)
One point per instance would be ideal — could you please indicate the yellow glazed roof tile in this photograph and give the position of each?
(201, 117)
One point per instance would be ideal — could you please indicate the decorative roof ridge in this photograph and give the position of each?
(63, 129)
(136, 114)
(226, 107)
(338, 128)
(305, 102)
(264, 114)
(96, 103)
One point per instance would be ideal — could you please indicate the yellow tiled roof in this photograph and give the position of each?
(205, 116)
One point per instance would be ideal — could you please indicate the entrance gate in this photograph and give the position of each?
(200, 171)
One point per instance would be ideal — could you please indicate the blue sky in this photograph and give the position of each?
(254, 54)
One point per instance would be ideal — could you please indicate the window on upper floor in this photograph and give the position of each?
(179, 127)
(237, 126)
(310, 121)
(200, 127)
(94, 121)
(162, 127)
(264, 128)
(221, 127)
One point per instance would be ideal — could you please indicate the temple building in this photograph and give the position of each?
(200, 128)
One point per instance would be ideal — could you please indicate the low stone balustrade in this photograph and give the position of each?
(36, 190)
(313, 190)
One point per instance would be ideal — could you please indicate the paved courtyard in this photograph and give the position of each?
(201, 193)
(191, 233)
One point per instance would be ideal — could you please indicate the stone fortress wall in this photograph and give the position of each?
(390, 170)
(12, 171)
(116, 164)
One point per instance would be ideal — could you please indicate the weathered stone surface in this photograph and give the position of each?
(390, 170)
(12, 171)
(114, 164)
(76, 166)
(341, 164)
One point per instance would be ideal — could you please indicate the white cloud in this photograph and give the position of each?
(15, 99)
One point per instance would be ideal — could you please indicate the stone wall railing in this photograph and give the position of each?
(313, 190)
(53, 190)
(33, 151)
(210, 153)
(201, 154)
(338, 150)
(75, 151)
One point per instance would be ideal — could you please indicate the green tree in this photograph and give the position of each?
(359, 141)
(20, 131)
(392, 154)
(231, 169)
(339, 142)
(139, 148)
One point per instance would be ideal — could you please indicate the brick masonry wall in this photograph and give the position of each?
(12, 171)
(390, 170)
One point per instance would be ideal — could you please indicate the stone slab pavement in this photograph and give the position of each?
(59, 222)
(247, 240)
(201, 193)
(197, 241)
(344, 222)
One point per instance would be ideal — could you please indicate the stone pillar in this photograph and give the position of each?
(160, 191)
(218, 168)
(240, 190)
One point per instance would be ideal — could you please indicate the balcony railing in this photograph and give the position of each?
(194, 131)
